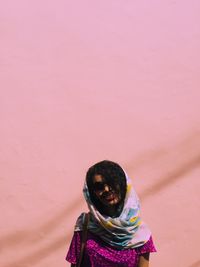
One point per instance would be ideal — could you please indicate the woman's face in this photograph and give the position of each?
(107, 194)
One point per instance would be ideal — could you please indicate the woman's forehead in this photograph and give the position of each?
(98, 178)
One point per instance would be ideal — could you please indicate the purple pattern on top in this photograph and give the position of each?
(99, 254)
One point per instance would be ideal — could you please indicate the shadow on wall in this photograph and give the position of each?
(30, 236)
(174, 175)
(195, 264)
(190, 161)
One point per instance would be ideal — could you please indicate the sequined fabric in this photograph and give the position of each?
(99, 254)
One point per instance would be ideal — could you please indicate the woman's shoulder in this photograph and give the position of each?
(80, 221)
(147, 247)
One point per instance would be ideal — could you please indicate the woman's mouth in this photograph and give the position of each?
(109, 197)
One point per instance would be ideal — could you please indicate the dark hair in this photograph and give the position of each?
(113, 174)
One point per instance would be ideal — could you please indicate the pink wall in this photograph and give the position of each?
(82, 81)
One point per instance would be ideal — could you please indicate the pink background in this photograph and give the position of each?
(83, 81)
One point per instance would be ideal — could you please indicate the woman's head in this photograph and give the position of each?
(106, 183)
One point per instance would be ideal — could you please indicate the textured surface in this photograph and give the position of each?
(81, 81)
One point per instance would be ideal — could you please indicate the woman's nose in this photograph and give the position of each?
(106, 188)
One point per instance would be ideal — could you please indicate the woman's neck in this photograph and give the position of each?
(113, 211)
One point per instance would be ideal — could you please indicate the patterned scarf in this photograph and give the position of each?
(125, 231)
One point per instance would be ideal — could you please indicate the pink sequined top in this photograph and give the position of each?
(99, 254)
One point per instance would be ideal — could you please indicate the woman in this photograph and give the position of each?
(116, 234)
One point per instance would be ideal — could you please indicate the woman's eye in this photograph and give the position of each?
(99, 186)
